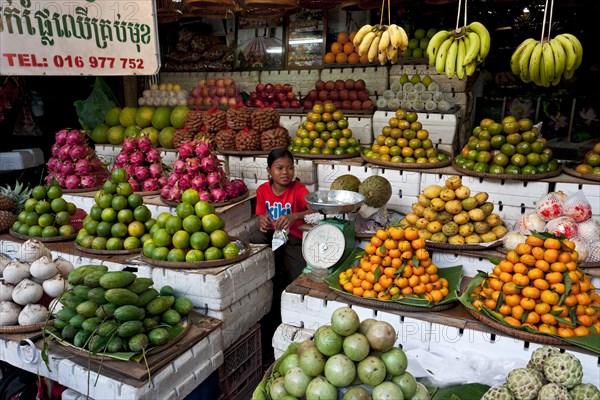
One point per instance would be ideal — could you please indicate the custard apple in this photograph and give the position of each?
(585, 391)
(524, 383)
(552, 391)
(498, 393)
(564, 369)
(539, 356)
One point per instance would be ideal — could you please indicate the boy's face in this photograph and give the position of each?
(282, 171)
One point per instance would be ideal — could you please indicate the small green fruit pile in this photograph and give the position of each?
(119, 220)
(418, 42)
(195, 233)
(117, 311)
(508, 147)
(46, 214)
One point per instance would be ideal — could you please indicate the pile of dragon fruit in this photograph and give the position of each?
(74, 165)
(142, 162)
(199, 169)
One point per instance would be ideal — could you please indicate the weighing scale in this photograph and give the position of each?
(327, 245)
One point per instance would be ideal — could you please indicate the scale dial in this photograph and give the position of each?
(323, 246)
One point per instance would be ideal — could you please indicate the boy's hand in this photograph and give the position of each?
(264, 224)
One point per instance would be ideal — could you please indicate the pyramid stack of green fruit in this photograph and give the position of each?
(119, 220)
(508, 147)
(324, 131)
(45, 214)
(195, 233)
(415, 92)
(417, 44)
(117, 311)
(405, 141)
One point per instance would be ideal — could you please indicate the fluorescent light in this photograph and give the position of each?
(275, 51)
(306, 41)
(526, 10)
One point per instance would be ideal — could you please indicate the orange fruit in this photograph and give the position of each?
(329, 58)
(530, 292)
(552, 243)
(523, 248)
(348, 48)
(351, 35)
(341, 58)
(353, 58)
(364, 59)
(337, 48)
(343, 37)
(534, 241)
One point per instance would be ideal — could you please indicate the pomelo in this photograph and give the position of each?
(100, 134)
(178, 116)
(143, 117)
(127, 116)
(112, 116)
(165, 137)
(116, 135)
(161, 118)
(132, 131)
(152, 133)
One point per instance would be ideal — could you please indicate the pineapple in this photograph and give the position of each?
(7, 219)
(12, 201)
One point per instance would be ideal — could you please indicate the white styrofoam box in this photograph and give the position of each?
(36, 153)
(15, 160)
(243, 314)
(446, 84)
(376, 78)
(254, 168)
(187, 80)
(236, 213)
(291, 123)
(169, 156)
(224, 162)
(107, 153)
(406, 186)
(470, 264)
(362, 128)
(286, 334)
(441, 127)
(245, 81)
(220, 287)
(245, 229)
(326, 173)
(590, 190)
(512, 193)
(302, 81)
(32, 359)
(83, 202)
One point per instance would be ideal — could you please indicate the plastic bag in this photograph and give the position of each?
(550, 206)
(530, 222)
(578, 207)
(92, 110)
(581, 247)
(563, 226)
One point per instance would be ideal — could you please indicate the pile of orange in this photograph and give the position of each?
(540, 286)
(396, 265)
(343, 52)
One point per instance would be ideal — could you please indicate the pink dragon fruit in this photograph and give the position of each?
(185, 182)
(241, 186)
(193, 165)
(219, 195)
(137, 158)
(61, 137)
(77, 152)
(88, 181)
(63, 153)
(162, 181)
(122, 159)
(97, 164)
(55, 149)
(72, 182)
(155, 170)
(75, 137)
(214, 179)
(53, 164)
(165, 192)
(205, 196)
(150, 185)
(199, 182)
(179, 166)
(129, 145)
(144, 143)
(210, 163)
(83, 167)
(67, 168)
(202, 149)
(231, 190)
(175, 193)
(152, 155)
(141, 173)
(186, 150)
(135, 185)
(130, 169)
(172, 179)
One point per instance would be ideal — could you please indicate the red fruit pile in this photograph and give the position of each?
(345, 95)
(274, 96)
(142, 162)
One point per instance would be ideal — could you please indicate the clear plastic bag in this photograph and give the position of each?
(550, 206)
(578, 207)
(563, 226)
(530, 222)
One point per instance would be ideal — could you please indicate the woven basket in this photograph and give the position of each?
(213, 9)
(169, 10)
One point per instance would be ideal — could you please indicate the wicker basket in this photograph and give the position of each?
(169, 10)
(213, 9)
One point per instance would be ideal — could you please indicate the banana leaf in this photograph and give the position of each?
(590, 342)
(471, 391)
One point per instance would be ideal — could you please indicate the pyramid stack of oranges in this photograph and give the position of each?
(343, 51)
(540, 286)
(396, 264)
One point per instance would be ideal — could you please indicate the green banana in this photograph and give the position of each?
(578, 49)
(484, 36)
(524, 61)
(460, 58)
(470, 68)
(569, 51)
(473, 50)
(534, 64)
(450, 67)
(442, 53)
(434, 44)
(516, 55)
(559, 57)
(547, 63)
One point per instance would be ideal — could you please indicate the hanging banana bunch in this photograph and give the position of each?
(546, 62)
(381, 42)
(457, 52)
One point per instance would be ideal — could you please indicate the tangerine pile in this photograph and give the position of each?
(343, 51)
(540, 286)
(396, 265)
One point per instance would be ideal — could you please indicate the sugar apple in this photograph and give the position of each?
(585, 391)
(564, 369)
(552, 391)
(524, 383)
(539, 356)
(498, 393)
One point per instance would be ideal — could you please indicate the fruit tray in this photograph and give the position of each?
(65, 238)
(245, 253)
(150, 193)
(513, 177)
(570, 170)
(401, 165)
(473, 246)
(107, 252)
(215, 205)
(326, 156)
(582, 264)
(25, 328)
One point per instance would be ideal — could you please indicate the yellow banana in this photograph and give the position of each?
(474, 46)
(578, 49)
(524, 61)
(442, 53)
(450, 67)
(516, 55)
(569, 51)
(394, 37)
(382, 57)
(460, 58)
(534, 64)
(548, 62)
(365, 44)
(403, 38)
(374, 49)
(434, 44)
(559, 57)
(385, 41)
(470, 68)
(484, 37)
(392, 54)
(568, 73)
(360, 35)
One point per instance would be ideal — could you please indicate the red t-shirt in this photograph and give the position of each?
(290, 201)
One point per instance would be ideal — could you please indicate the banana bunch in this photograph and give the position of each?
(381, 42)
(458, 52)
(545, 63)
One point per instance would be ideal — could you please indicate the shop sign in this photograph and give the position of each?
(78, 37)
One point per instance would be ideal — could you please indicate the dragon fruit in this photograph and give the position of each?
(83, 167)
(202, 149)
(122, 159)
(186, 150)
(141, 173)
(179, 166)
(214, 179)
(193, 165)
(172, 179)
(241, 186)
(144, 143)
(97, 164)
(63, 153)
(219, 195)
(155, 170)
(205, 195)
(135, 185)
(136, 158)
(231, 190)
(185, 182)
(88, 181)
(199, 182)
(61, 137)
(175, 194)
(130, 169)
(210, 163)
(55, 149)
(150, 185)
(165, 192)
(75, 137)
(129, 145)
(152, 155)
(67, 168)
(78, 151)
(162, 181)
(61, 179)
(72, 182)
(53, 164)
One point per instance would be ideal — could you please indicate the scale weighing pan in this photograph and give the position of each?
(334, 201)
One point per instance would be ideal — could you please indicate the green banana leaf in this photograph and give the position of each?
(590, 342)
(471, 391)
(452, 274)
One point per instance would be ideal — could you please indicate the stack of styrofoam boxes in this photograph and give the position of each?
(107, 153)
(238, 294)
(291, 122)
(590, 190)
(169, 156)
